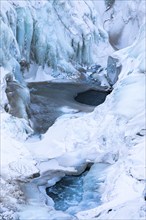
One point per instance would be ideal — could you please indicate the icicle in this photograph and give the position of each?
(28, 35)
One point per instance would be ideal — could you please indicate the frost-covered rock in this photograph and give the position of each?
(113, 70)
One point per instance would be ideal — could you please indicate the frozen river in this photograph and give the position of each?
(51, 100)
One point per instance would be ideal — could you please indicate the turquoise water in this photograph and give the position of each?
(77, 193)
(67, 192)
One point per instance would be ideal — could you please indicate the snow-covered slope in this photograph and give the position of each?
(121, 21)
(114, 133)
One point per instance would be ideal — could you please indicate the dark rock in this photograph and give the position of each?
(24, 65)
(142, 133)
(35, 175)
(18, 97)
(6, 107)
(109, 210)
(81, 70)
(113, 70)
(109, 4)
(95, 68)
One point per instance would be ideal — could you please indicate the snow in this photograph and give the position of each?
(68, 110)
(113, 133)
(15, 158)
(122, 21)
(136, 92)
(38, 74)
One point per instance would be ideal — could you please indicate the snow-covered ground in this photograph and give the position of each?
(113, 133)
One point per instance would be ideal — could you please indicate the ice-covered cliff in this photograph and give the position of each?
(59, 34)
(64, 35)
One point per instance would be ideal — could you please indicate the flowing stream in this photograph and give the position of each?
(77, 193)
(49, 101)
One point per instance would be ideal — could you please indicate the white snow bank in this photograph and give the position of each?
(121, 21)
(16, 161)
(17, 164)
(133, 88)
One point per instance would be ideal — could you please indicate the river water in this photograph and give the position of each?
(51, 100)
(73, 194)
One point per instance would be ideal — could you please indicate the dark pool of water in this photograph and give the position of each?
(91, 97)
(47, 100)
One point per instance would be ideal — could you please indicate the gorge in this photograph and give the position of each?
(84, 65)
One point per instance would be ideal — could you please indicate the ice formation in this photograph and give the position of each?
(28, 34)
(57, 37)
